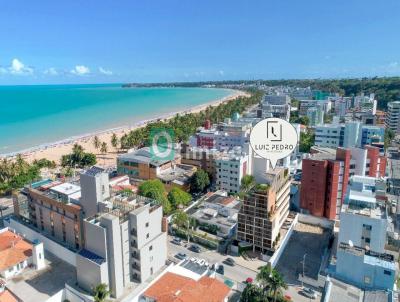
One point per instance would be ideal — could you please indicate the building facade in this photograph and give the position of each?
(324, 182)
(264, 210)
(393, 117)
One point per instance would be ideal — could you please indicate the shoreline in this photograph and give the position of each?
(54, 150)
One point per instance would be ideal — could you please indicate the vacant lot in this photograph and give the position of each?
(308, 240)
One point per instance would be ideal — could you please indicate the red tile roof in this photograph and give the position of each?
(13, 249)
(7, 296)
(175, 288)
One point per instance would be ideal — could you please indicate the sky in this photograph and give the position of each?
(102, 41)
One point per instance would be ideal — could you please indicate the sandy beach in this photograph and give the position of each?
(54, 151)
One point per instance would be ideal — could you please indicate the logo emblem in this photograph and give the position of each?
(162, 144)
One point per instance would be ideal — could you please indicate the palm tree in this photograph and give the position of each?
(114, 140)
(264, 278)
(103, 148)
(96, 142)
(277, 284)
(101, 292)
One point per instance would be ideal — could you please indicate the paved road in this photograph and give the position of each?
(236, 273)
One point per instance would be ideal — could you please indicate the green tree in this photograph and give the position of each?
(389, 136)
(264, 279)
(114, 140)
(252, 293)
(101, 292)
(178, 197)
(200, 181)
(247, 183)
(104, 148)
(155, 189)
(306, 141)
(181, 219)
(96, 142)
(78, 158)
(277, 284)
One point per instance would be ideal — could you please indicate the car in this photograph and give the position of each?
(309, 293)
(195, 248)
(229, 261)
(177, 241)
(220, 269)
(181, 256)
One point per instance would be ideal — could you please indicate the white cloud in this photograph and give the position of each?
(221, 72)
(393, 64)
(105, 71)
(17, 67)
(80, 70)
(51, 71)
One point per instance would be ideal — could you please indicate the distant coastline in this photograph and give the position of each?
(54, 150)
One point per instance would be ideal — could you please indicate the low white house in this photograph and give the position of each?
(16, 253)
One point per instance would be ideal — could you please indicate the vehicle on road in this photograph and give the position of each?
(229, 261)
(220, 269)
(181, 256)
(195, 248)
(177, 240)
(309, 293)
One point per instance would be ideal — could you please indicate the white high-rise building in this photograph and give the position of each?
(393, 117)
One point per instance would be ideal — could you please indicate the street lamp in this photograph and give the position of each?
(304, 261)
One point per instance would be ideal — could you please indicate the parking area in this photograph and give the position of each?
(238, 272)
(307, 243)
(33, 286)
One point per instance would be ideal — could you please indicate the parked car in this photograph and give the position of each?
(220, 269)
(181, 256)
(309, 293)
(229, 261)
(195, 248)
(177, 240)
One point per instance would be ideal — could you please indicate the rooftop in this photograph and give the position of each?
(7, 296)
(172, 287)
(93, 171)
(144, 156)
(92, 256)
(13, 249)
(66, 188)
(179, 174)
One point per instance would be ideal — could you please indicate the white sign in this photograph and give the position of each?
(273, 139)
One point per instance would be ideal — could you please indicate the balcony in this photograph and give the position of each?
(135, 267)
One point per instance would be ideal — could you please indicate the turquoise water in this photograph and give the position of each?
(36, 115)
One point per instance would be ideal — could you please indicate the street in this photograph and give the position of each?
(236, 273)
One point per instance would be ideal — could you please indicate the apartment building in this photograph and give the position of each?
(361, 257)
(315, 115)
(53, 208)
(226, 135)
(324, 182)
(124, 244)
(141, 164)
(276, 106)
(230, 167)
(305, 104)
(202, 158)
(264, 210)
(363, 219)
(365, 103)
(393, 117)
(351, 134)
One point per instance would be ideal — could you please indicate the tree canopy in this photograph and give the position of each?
(78, 158)
(178, 197)
(200, 181)
(155, 189)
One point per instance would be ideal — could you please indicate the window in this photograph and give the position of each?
(386, 272)
(150, 248)
(148, 235)
(147, 224)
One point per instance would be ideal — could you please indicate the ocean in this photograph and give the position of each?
(37, 115)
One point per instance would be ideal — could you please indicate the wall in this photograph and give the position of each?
(322, 222)
(49, 245)
(277, 254)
